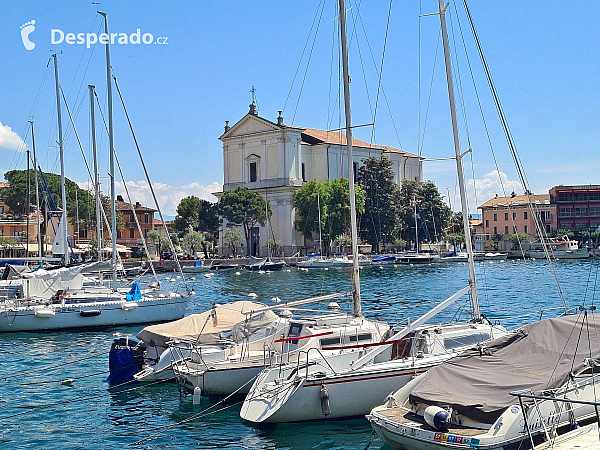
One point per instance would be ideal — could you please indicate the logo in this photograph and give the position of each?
(26, 30)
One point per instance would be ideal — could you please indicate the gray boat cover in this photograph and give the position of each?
(204, 329)
(539, 356)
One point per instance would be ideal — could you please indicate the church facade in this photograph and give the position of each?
(274, 160)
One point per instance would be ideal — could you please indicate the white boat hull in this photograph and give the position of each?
(349, 396)
(222, 381)
(580, 253)
(111, 313)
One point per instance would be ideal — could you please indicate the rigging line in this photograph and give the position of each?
(151, 187)
(382, 88)
(514, 152)
(362, 66)
(328, 122)
(419, 77)
(85, 159)
(387, 28)
(308, 63)
(139, 227)
(202, 413)
(435, 58)
(559, 359)
(302, 55)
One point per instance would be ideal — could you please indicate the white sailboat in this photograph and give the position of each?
(319, 261)
(322, 389)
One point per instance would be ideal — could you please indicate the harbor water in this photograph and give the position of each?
(53, 393)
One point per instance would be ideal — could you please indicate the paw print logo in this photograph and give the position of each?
(26, 30)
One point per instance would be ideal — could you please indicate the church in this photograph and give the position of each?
(274, 159)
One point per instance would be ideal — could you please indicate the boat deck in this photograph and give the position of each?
(585, 437)
(401, 416)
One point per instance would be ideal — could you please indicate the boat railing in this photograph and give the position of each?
(527, 394)
(300, 366)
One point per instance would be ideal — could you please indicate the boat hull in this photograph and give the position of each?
(580, 253)
(222, 381)
(112, 313)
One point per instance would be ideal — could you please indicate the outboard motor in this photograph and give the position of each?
(125, 359)
(437, 418)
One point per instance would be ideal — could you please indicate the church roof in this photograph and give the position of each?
(314, 136)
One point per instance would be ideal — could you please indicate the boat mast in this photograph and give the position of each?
(319, 209)
(27, 207)
(37, 195)
(268, 236)
(65, 236)
(416, 224)
(112, 154)
(355, 268)
(459, 165)
(96, 177)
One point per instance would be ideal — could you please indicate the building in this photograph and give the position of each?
(578, 207)
(503, 216)
(130, 236)
(275, 159)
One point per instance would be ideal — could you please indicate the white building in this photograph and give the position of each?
(274, 160)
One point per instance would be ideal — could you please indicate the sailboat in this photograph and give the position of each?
(265, 264)
(62, 299)
(317, 261)
(329, 388)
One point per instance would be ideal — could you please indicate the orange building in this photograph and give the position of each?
(130, 236)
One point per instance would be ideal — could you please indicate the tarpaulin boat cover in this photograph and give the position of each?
(539, 356)
(205, 325)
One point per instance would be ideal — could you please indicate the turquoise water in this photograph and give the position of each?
(37, 411)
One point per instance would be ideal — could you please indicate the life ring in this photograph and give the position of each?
(162, 262)
(66, 295)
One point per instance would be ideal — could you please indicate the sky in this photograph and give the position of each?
(544, 58)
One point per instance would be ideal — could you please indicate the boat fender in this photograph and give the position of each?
(437, 417)
(44, 313)
(325, 407)
(128, 306)
(197, 397)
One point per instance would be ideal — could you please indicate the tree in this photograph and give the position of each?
(379, 222)
(306, 201)
(338, 206)
(15, 196)
(456, 239)
(160, 242)
(517, 238)
(232, 238)
(193, 242)
(199, 214)
(244, 207)
(561, 233)
(433, 214)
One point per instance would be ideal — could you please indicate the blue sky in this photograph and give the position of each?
(544, 58)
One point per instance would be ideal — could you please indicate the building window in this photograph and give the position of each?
(594, 211)
(594, 195)
(579, 197)
(83, 234)
(506, 229)
(495, 230)
(253, 170)
(487, 223)
(303, 166)
(505, 216)
(355, 170)
(580, 212)
(131, 218)
(525, 215)
(565, 212)
(514, 216)
(119, 235)
(564, 197)
(146, 218)
(495, 217)
(145, 232)
(515, 229)
(131, 233)
(525, 229)
(547, 228)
